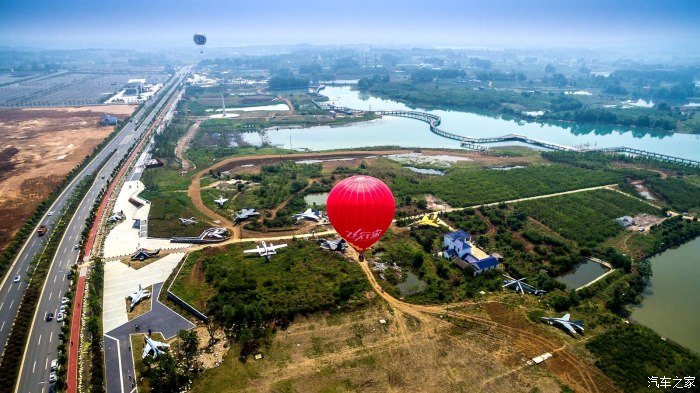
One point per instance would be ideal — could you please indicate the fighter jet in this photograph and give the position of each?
(427, 220)
(245, 213)
(309, 214)
(221, 201)
(519, 286)
(115, 218)
(188, 221)
(137, 296)
(153, 347)
(265, 250)
(216, 233)
(333, 245)
(565, 322)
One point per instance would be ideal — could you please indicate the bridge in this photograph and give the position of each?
(477, 143)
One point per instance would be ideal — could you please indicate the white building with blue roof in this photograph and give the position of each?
(457, 247)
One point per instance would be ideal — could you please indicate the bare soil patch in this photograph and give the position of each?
(38, 147)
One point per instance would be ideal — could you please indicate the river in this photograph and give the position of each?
(413, 133)
(672, 298)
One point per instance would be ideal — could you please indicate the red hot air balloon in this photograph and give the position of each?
(361, 209)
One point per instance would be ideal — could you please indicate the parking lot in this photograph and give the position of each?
(69, 88)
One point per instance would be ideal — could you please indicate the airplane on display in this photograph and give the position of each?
(430, 220)
(265, 250)
(153, 347)
(137, 296)
(244, 214)
(217, 233)
(188, 221)
(333, 245)
(309, 214)
(519, 286)
(565, 322)
(221, 201)
(115, 218)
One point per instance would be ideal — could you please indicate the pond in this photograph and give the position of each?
(672, 297)
(319, 199)
(425, 171)
(411, 285)
(583, 274)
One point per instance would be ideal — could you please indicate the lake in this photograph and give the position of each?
(395, 131)
(672, 298)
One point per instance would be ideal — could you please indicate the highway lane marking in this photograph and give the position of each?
(3, 303)
(50, 337)
(39, 342)
(12, 302)
(3, 325)
(64, 277)
(50, 294)
(33, 367)
(54, 279)
(47, 364)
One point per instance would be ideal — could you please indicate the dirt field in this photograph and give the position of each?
(38, 147)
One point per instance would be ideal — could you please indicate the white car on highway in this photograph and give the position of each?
(17, 278)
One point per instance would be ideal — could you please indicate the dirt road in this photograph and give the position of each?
(182, 145)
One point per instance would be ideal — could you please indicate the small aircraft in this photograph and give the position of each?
(265, 250)
(245, 213)
(216, 233)
(115, 217)
(333, 245)
(571, 326)
(137, 296)
(154, 347)
(519, 286)
(309, 214)
(429, 220)
(188, 221)
(221, 201)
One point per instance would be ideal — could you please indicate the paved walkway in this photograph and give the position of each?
(119, 363)
(75, 333)
(121, 281)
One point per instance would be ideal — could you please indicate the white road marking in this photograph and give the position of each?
(33, 367)
(3, 303)
(47, 364)
(64, 277)
(38, 342)
(50, 294)
(51, 337)
(3, 325)
(12, 302)
(54, 279)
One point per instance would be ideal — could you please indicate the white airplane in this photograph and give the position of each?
(221, 201)
(265, 250)
(571, 326)
(309, 214)
(137, 296)
(333, 245)
(519, 286)
(188, 221)
(217, 233)
(154, 347)
(245, 213)
(115, 217)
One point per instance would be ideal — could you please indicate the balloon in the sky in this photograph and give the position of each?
(361, 209)
(200, 39)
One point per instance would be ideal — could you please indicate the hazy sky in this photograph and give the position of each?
(504, 23)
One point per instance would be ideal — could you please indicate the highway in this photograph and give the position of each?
(43, 337)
